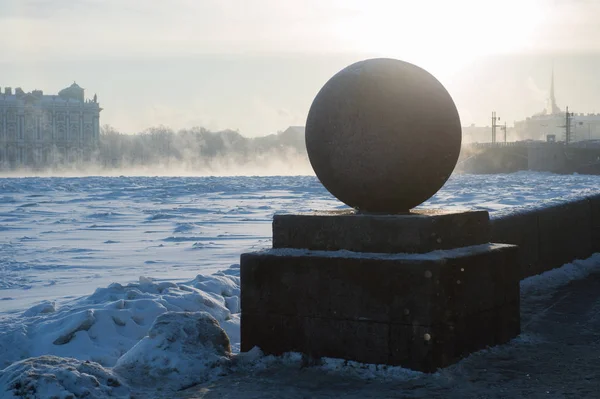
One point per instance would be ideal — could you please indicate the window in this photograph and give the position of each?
(74, 132)
(62, 132)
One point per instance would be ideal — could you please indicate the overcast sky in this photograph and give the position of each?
(255, 65)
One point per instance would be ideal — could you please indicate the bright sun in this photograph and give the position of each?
(441, 35)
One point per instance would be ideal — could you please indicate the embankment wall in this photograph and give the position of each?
(552, 236)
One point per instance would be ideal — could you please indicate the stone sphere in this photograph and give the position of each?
(383, 135)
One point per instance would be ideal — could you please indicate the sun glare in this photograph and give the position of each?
(441, 35)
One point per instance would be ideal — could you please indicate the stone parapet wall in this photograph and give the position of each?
(552, 236)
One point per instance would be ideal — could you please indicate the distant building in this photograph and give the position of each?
(476, 134)
(38, 129)
(552, 121)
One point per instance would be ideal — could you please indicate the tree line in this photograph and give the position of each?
(195, 148)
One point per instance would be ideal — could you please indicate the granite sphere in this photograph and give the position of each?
(383, 135)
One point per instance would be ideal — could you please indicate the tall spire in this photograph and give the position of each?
(553, 108)
(552, 98)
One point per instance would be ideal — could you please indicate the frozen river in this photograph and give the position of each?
(87, 264)
(63, 237)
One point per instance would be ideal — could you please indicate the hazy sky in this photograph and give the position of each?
(255, 65)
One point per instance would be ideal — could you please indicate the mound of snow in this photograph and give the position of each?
(105, 325)
(181, 349)
(44, 307)
(53, 377)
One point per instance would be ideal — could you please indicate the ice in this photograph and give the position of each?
(52, 377)
(180, 350)
(62, 238)
(103, 326)
(89, 232)
(44, 307)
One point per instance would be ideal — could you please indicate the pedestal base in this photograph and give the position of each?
(419, 231)
(421, 311)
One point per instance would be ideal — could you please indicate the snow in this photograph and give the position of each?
(428, 256)
(63, 237)
(60, 238)
(181, 349)
(103, 326)
(53, 377)
(155, 245)
(547, 282)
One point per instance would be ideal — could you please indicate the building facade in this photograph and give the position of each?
(552, 122)
(37, 130)
(539, 127)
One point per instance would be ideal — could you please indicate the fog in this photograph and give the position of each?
(256, 66)
(292, 165)
(161, 151)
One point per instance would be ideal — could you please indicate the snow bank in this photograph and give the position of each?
(546, 283)
(53, 377)
(106, 324)
(181, 349)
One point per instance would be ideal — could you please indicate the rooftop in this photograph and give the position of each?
(73, 93)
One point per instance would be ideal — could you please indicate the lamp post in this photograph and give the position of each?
(494, 126)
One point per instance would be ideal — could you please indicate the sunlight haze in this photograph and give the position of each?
(255, 66)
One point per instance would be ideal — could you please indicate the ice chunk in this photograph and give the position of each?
(181, 349)
(53, 377)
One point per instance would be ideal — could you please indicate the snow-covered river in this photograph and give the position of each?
(64, 239)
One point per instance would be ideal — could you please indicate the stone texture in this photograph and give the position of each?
(565, 234)
(415, 346)
(419, 347)
(428, 348)
(383, 135)
(376, 308)
(317, 337)
(399, 288)
(418, 232)
(550, 237)
(520, 229)
(595, 220)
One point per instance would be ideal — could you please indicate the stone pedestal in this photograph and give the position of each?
(416, 232)
(357, 293)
